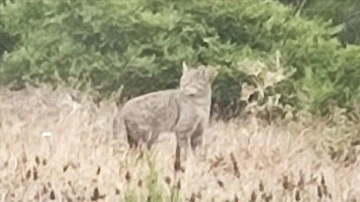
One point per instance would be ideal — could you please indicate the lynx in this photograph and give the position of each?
(184, 111)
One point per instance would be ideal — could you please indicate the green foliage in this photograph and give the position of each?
(6, 41)
(344, 12)
(156, 191)
(140, 44)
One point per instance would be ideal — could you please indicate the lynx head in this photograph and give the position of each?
(197, 81)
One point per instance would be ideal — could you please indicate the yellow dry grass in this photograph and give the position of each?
(242, 160)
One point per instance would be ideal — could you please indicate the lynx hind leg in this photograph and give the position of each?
(119, 129)
(141, 136)
(133, 139)
(135, 135)
(152, 137)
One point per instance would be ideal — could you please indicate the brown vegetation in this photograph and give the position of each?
(57, 146)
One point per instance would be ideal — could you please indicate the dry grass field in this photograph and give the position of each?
(56, 148)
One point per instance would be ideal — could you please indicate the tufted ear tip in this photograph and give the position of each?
(185, 67)
(212, 74)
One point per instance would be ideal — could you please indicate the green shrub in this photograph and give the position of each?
(344, 13)
(140, 44)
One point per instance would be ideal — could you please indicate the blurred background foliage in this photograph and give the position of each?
(137, 46)
(346, 13)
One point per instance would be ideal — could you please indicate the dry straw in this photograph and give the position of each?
(77, 161)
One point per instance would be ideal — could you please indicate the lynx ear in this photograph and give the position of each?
(185, 67)
(212, 73)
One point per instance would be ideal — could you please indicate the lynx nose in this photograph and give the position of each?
(189, 90)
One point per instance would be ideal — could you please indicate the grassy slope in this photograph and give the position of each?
(79, 162)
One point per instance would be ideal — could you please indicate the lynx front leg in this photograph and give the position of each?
(182, 142)
(197, 138)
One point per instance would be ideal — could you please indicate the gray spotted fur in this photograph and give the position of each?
(184, 111)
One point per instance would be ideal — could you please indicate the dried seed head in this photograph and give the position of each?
(44, 162)
(220, 183)
(80, 198)
(333, 155)
(35, 174)
(261, 186)
(140, 183)
(178, 186)
(268, 198)
(65, 168)
(37, 196)
(263, 196)
(117, 191)
(355, 143)
(301, 182)
(192, 198)
(28, 174)
(286, 183)
(167, 180)
(198, 195)
(177, 165)
(127, 176)
(24, 159)
(218, 160)
(44, 190)
(96, 193)
(297, 195)
(319, 192)
(52, 195)
(236, 199)
(37, 160)
(325, 190)
(98, 170)
(235, 166)
(253, 197)
(69, 199)
(322, 180)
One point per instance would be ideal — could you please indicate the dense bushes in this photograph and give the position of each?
(344, 13)
(140, 44)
